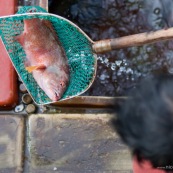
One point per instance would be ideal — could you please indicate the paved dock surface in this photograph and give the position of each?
(63, 143)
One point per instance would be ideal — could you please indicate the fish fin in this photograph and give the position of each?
(20, 38)
(29, 23)
(30, 69)
(26, 25)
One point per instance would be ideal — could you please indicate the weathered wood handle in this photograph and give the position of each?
(132, 40)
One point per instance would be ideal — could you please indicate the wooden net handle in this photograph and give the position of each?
(132, 40)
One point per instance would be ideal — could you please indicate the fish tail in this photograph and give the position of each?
(29, 23)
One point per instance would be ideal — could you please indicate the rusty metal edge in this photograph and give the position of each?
(90, 101)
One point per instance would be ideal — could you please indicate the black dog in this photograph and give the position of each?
(145, 121)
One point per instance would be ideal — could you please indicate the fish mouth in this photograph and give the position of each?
(56, 96)
(53, 94)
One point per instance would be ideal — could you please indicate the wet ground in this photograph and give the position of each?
(120, 70)
(61, 143)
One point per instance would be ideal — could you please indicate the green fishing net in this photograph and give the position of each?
(77, 47)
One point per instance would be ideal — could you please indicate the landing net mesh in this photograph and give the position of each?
(77, 47)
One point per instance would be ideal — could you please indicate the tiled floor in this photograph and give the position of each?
(63, 143)
(11, 143)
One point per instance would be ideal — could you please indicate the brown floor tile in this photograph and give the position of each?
(11, 143)
(66, 143)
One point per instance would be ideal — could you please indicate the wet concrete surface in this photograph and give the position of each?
(75, 143)
(11, 143)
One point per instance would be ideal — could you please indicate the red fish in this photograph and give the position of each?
(45, 57)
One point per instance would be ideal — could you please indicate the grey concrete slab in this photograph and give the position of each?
(75, 143)
(11, 143)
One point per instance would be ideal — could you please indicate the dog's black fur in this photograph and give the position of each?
(145, 121)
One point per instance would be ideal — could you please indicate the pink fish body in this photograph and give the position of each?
(45, 57)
